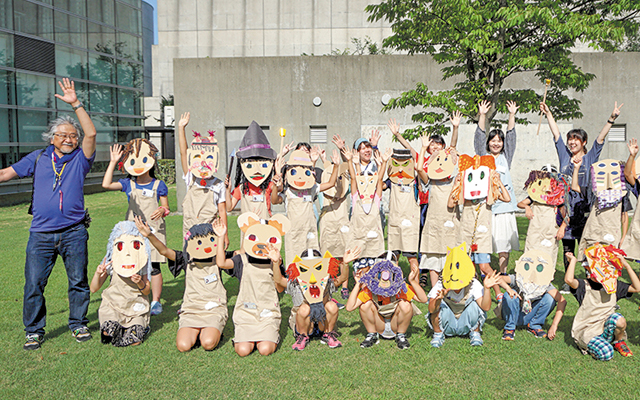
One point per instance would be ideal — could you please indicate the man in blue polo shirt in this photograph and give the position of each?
(58, 226)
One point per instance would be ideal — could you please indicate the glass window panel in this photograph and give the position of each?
(6, 49)
(33, 19)
(135, 3)
(71, 30)
(81, 92)
(31, 125)
(128, 19)
(101, 98)
(102, 10)
(7, 95)
(106, 128)
(7, 125)
(130, 74)
(34, 90)
(129, 102)
(74, 6)
(71, 62)
(101, 38)
(129, 46)
(6, 14)
(101, 68)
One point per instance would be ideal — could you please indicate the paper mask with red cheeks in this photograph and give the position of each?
(312, 274)
(138, 157)
(401, 169)
(128, 250)
(441, 164)
(546, 187)
(201, 242)
(458, 271)
(367, 185)
(604, 265)
(476, 180)
(342, 182)
(256, 171)
(203, 156)
(259, 233)
(300, 171)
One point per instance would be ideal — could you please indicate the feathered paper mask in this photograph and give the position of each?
(604, 266)
(547, 187)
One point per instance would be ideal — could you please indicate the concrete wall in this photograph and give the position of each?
(278, 92)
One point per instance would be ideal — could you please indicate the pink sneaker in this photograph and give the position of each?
(331, 340)
(301, 342)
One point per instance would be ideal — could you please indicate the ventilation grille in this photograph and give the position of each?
(34, 55)
(618, 133)
(318, 134)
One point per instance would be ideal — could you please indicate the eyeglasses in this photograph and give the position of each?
(72, 136)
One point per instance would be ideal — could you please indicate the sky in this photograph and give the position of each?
(154, 3)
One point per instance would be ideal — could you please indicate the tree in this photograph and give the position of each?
(482, 43)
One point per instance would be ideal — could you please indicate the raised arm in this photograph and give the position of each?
(395, 129)
(630, 166)
(155, 242)
(607, 126)
(490, 281)
(69, 96)
(635, 282)
(551, 121)
(420, 161)
(334, 173)
(99, 277)
(510, 134)
(569, 275)
(115, 152)
(348, 156)
(575, 185)
(220, 229)
(278, 182)
(382, 166)
(483, 108)
(182, 140)
(455, 119)
(562, 304)
(354, 302)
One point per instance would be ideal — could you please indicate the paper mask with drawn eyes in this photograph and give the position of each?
(442, 164)
(129, 251)
(367, 185)
(312, 274)
(138, 156)
(604, 266)
(608, 183)
(536, 266)
(201, 242)
(256, 171)
(384, 279)
(546, 187)
(342, 182)
(258, 233)
(458, 271)
(300, 173)
(203, 156)
(401, 169)
(476, 176)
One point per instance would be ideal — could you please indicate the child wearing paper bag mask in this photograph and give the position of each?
(124, 310)
(598, 329)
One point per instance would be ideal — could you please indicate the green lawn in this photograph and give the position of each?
(62, 368)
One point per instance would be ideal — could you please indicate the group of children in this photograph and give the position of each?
(447, 214)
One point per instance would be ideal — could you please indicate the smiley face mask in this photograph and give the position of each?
(138, 157)
(300, 174)
(458, 271)
(129, 251)
(201, 242)
(608, 183)
(442, 164)
(203, 156)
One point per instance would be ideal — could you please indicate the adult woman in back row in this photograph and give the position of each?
(576, 147)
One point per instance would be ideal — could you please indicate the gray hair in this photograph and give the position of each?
(129, 228)
(53, 126)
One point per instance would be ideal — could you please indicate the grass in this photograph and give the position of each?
(526, 368)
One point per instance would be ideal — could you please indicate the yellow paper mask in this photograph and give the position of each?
(259, 233)
(604, 266)
(458, 271)
(442, 164)
(401, 169)
(203, 156)
(536, 266)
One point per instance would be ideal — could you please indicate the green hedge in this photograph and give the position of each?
(166, 171)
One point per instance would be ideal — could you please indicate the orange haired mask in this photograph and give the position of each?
(604, 265)
(477, 179)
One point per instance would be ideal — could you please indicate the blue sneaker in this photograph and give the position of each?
(475, 339)
(156, 308)
(438, 340)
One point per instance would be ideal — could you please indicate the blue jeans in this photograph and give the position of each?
(472, 318)
(513, 315)
(42, 251)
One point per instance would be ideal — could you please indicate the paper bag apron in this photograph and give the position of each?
(124, 303)
(334, 226)
(541, 234)
(255, 204)
(142, 205)
(366, 230)
(588, 323)
(303, 233)
(404, 219)
(482, 227)
(602, 226)
(197, 207)
(204, 304)
(256, 316)
(631, 244)
(442, 223)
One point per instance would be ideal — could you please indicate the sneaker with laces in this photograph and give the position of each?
(81, 334)
(475, 339)
(538, 333)
(301, 342)
(33, 341)
(156, 308)
(509, 334)
(370, 340)
(402, 342)
(622, 348)
(438, 340)
(331, 340)
(344, 292)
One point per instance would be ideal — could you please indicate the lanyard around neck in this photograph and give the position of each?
(58, 175)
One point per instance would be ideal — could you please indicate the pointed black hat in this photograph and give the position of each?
(255, 144)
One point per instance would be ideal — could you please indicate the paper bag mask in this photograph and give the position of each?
(201, 242)
(536, 266)
(608, 183)
(256, 171)
(458, 271)
(442, 164)
(203, 156)
(129, 251)
(342, 182)
(300, 174)
(312, 273)
(367, 185)
(546, 187)
(138, 157)
(401, 169)
(259, 233)
(384, 279)
(604, 266)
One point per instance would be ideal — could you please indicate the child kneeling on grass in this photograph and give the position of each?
(124, 311)
(458, 303)
(597, 328)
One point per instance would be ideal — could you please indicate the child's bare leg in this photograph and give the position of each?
(370, 318)
(486, 268)
(503, 261)
(402, 317)
(266, 348)
(156, 287)
(243, 349)
(621, 326)
(435, 321)
(209, 338)
(332, 316)
(186, 338)
(303, 324)
(434, 276)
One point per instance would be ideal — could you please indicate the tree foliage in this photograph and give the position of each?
(482, 43)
